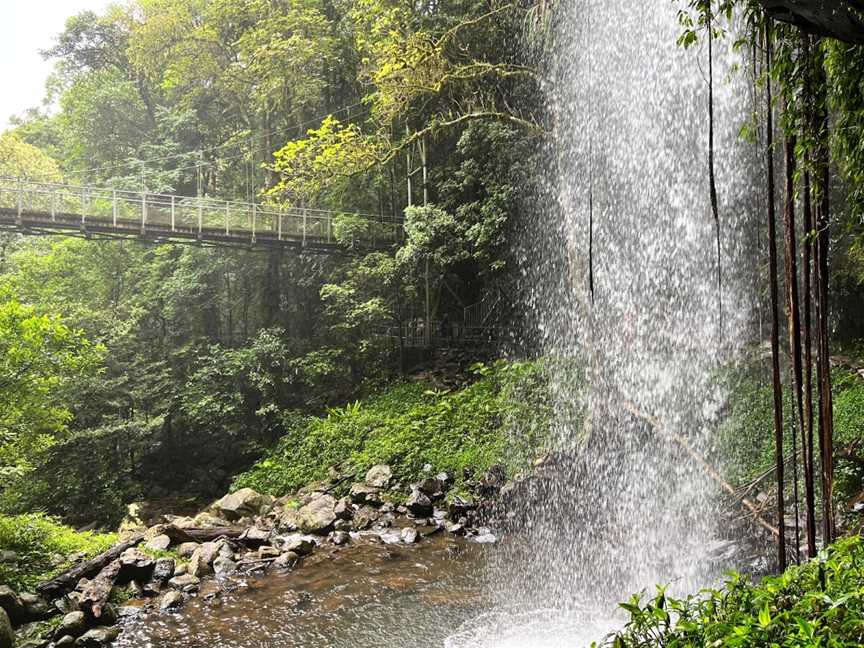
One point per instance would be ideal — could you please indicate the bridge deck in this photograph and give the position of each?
(31, 207)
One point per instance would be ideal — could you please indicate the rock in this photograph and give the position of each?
(364, 494)
(267, 551)
(7, 636)
(445, 479)
(35, 607)
(129, 611)
(342, 525)
(343, 509)
(286, 560)
(484, 536)
(255, 536)
(300, 546)
(159, 543)
(135, 565)
(408, 535)
(163, 570)
(289, 520)
(134, 590)
(224, 566)
(431, 487)
(459, 506)
(365, 517)
(456, 529)
(12, 604)
(64, 642)
(98, 637)
(419, 503)
(207, 520)
(185, 583)
(318, 515)
(242, 503)
(390, 538)
(339, 538)
(202, 558)
(171, 601)
(493, 480)
(186, 549)
(181, 569)
(379, 476)
(73, 624)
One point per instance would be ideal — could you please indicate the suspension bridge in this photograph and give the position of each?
(50, 208)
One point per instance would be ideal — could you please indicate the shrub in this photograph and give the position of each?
(410, 425)
(37, 539)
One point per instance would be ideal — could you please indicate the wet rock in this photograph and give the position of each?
(493, 480)
(343, 509)
(300, 546)
(255, 536)
(73, 624)
(98, 637)
(379, 476)
(135, 565)
(129, 611)
(460, 505)
(390, 538)
(267, 551)
(340, 538)
(431, 487)
(185, 583)
(418, 503)
(242, 503)
(288, 520)
(318, 515)
(286, 560)
(365, 517)
(7, 636)
(171, 601)
(365, 494)
(484, 536)
(12, 604)
(163, 570)
(342, 525)
(159, 543)
(408, 535)
(456, 529)
(65, 642)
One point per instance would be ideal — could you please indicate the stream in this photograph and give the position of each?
(360, 596)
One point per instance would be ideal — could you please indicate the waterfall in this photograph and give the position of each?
(634, 367)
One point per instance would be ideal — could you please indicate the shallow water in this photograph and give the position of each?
(356, 597)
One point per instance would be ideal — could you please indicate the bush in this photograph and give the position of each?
(409, 425)
(37, 539)
(817, 604)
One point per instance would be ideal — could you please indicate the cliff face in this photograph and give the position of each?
(841, 19)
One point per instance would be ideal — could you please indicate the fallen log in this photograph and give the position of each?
(712, 472)
(196, 534)
(95, 594)
(66, 582)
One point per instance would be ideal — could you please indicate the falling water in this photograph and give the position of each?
(634, 366)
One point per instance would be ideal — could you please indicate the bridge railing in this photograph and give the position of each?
(205, 217)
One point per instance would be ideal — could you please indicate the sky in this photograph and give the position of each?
(27, 26)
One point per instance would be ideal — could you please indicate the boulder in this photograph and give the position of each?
(202, 559)
(159, 543)
(135, 565)
(255, 536)
(459, 506)
(299, 545)
(12, 604)
(418, 503)
(365, 494)
(224, 566)
(171, 601)
(379, 476)
(7, 636)
(186, 549)
(98, 637)
(65, 642)
(163, 570)
(73, 624)
(207, 520)
(35, 607)
(339, 538)
(286, 560)
(408, 535)
(266, 552)
(431, 487)
(185, 583)
(242, 503)
(318, 515)
(289, 520)
(365, 517)
(343, 509)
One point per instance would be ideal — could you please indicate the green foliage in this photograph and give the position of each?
(37, 540)
(817, 604)
(408, 426)
(39, 357)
